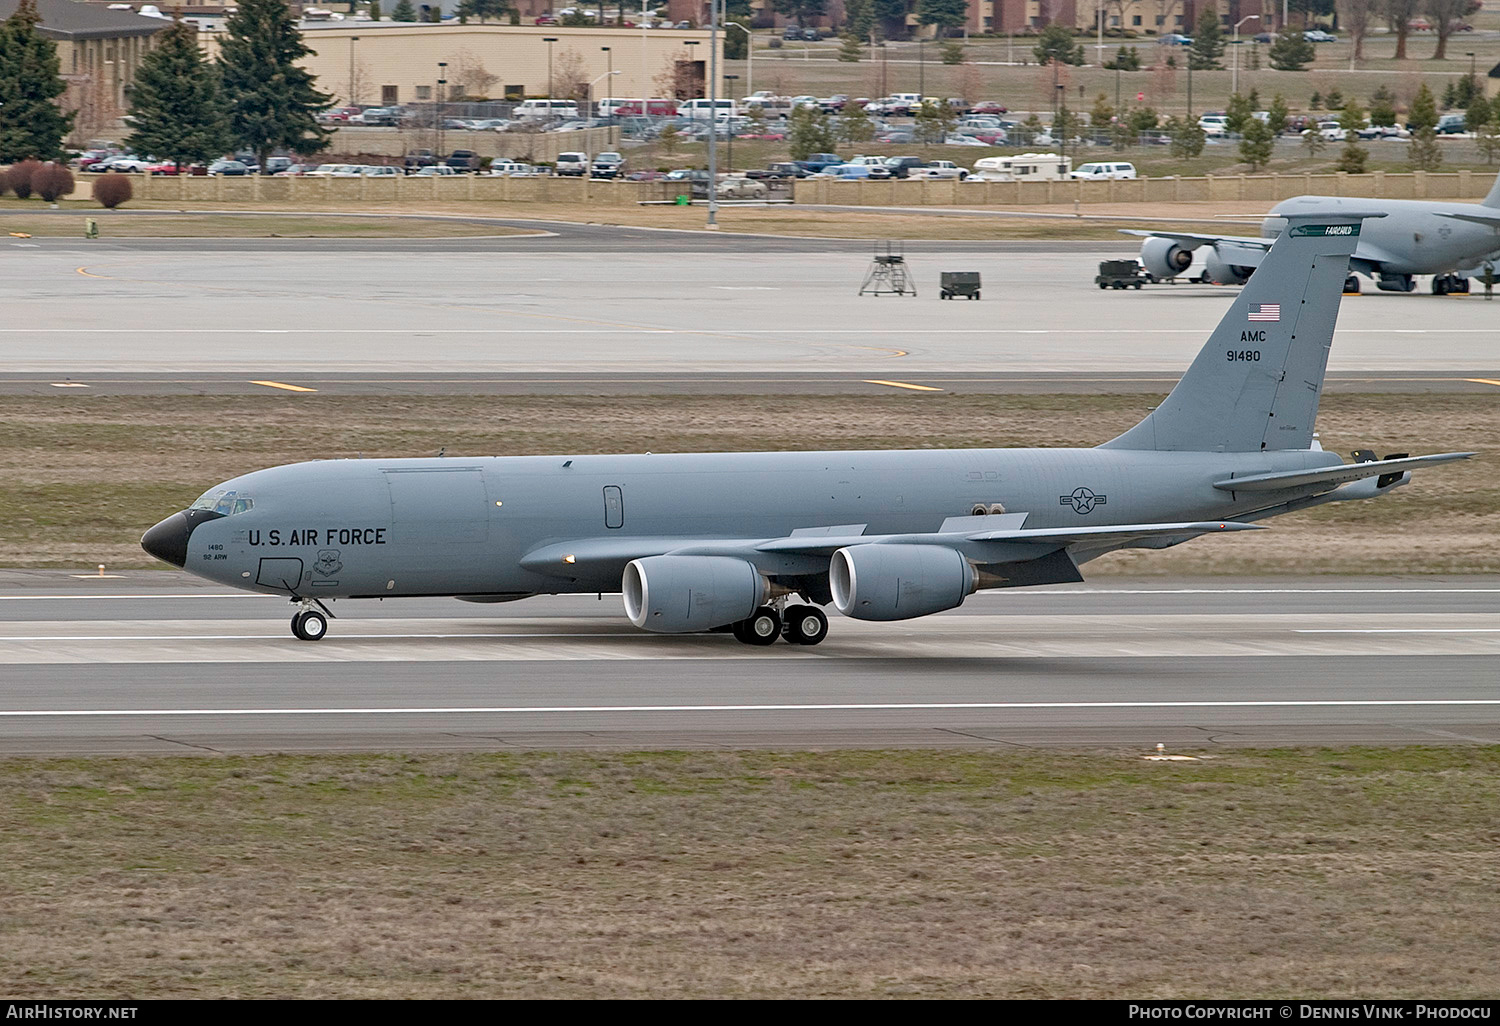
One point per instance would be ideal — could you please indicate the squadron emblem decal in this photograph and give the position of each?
(328, 563)
(1082, 500)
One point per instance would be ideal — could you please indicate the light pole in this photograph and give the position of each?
(713, 110)
(437, 105)
(353, 97)
(921, 66)
(549, 40)
(731, 79)
(610, 56)
(749, 55)
(1234, 75)
(1473, 80)
(607, 74)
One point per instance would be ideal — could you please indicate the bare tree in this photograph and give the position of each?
(1446, 16)
(1355, 16)
(471, 76)
(569, 77)
(1398, 15)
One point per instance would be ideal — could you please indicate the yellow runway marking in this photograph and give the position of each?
(278, 384)
(901, 384)
(1484, 381)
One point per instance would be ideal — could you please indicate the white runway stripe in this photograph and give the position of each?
(821, 707)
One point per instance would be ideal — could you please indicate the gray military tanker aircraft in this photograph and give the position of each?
(723, 541)
(1451, 241)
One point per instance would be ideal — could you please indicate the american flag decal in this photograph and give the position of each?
(1266, 312)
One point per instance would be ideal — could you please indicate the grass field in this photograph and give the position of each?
(69, 222)
(1032, 874)
(75, 493)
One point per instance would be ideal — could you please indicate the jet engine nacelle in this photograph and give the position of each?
(1221, 273)
(680, 594)
(1165, 258)
(898, 582)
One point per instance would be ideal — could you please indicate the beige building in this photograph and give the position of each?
(98, 51)
(395, 62)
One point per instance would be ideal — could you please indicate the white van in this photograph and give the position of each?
(547, 109)
(700, 108)
(1106, 170)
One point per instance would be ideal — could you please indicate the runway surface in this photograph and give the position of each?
(158, 662)
(596, 302)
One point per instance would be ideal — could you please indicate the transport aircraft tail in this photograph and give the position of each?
(1255, 385)
(1493, 199)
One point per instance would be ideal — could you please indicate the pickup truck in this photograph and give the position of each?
(819, 162)
(939, 169)
(417, 159)
(464, 160)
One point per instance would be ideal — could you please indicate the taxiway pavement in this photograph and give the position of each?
(158, 662)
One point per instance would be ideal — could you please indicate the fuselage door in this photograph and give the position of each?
(614, 506)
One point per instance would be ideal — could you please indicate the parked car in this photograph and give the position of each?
(740, 187)
(228, 167)
(1175, 39)
(1452, 124)
(1419, 25)
(435, 171)
(380, 171)
(607, 165)
(1214, 124)
(1264, 37)
(645, 176)
(464, 160)
(939, 169)
(989, 107)
(381, 116)
(1331, 131)
(901, 167)
(295, 171)
(333, 171)
(125, 163)
(1319, 36)
(1101, 171)
(572, 164)
(779, 171)
(816, 162)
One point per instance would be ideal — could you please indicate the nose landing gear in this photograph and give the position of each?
(310, 621)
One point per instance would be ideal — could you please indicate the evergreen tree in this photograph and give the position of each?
(809, 133)
(1187, 138)
(31, 123)
(945, 14)
(854, 125)
(1143, 119)
(1257, 144)
(934, 122)
(404, 11)
(1237, 113)
(483, 9)
(1102, 119)
(1313, 141)
(953, 53)
(1208, 42)
(1126, 59)
(1315, 101)
(1056, 43)
(1382, 107)
(1353, 156)
(174, 105)
(859, 18)
(374, 10)
(1481, 120)
(1480, 112)
(1291, 52)
(1279, 115)
(800, 11)
(737, 43)
(850, 49)
(1423, 111)
(1334, 101)
(669, 138)
(270, 100)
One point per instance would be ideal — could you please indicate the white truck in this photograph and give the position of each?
(943, 169)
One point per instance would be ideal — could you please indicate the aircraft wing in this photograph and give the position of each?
(1253, 241)
(1334, 475)
(984, 543)
(1491, 220)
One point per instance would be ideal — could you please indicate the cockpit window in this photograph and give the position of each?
(224, 501)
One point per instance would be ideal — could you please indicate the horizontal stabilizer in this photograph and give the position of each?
(1333, 475)
(1492, 220)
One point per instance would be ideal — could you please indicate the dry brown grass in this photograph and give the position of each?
(843, 874)
(211, 226)
(76, 495)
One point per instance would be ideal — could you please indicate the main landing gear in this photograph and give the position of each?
(310, 621)
(799, 625)
(1449, 284)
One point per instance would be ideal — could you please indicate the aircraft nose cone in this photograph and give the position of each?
(168, 540)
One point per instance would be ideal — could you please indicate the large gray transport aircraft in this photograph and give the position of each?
(723, 541)
(1448, 240)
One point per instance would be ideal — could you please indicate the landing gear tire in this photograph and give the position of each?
(805, 625)
(309, 625)
(1351, 285)
(761, 627)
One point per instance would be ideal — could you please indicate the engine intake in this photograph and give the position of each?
(681, 594)
(898, 582)
(1165, 258)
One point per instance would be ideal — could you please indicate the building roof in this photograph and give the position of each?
(69, 19)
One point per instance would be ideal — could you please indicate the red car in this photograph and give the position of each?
(546, 19)
(989, 107)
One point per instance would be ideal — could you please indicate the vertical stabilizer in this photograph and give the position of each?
(1256, 384)
(1493, 199)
